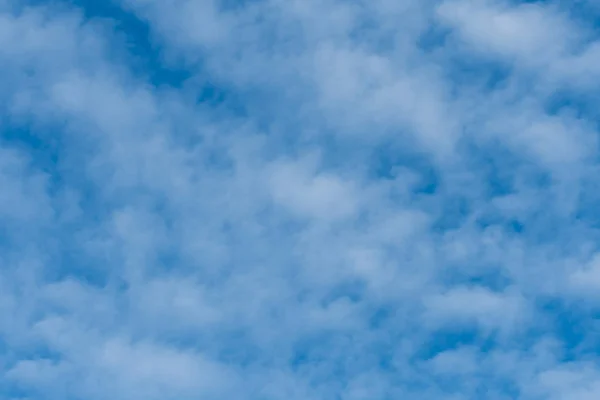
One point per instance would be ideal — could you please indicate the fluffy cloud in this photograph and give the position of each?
(298, 199)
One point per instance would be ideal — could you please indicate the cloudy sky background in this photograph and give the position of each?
(299, 199)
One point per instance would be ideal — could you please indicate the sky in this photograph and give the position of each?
(299, 199)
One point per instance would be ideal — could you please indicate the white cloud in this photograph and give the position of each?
(382, 199)
(479, 306)
(529, 34)
(322, 196)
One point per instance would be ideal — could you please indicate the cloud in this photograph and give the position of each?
(476, 305)
(321, 197)
(527, 33)
(300, 199)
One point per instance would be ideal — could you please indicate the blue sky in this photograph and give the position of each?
(300, 199)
